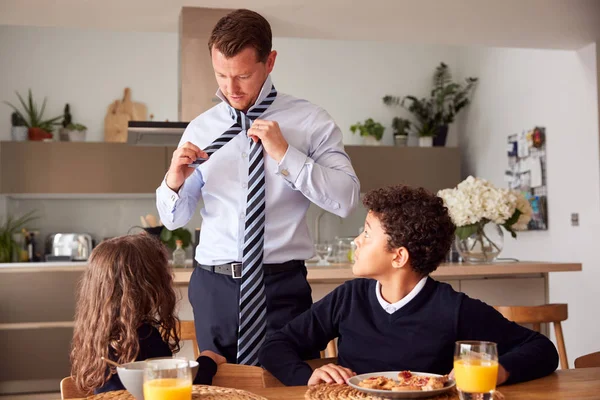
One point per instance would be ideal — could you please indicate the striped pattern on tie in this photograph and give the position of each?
(253, 310)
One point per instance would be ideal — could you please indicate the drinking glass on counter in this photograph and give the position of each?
(167, 379)
(475, 369)
(324, 251)
(345, 249)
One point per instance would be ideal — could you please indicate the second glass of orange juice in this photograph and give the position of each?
(476, 369)
(168, 379)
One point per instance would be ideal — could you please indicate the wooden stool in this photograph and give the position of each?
(330, 350)
(187, 331)
(536, 315)
(68, 390)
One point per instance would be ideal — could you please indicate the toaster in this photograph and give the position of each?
(69, 246)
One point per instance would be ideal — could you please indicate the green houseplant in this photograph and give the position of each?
(8, 228)
(401, 126)
(33, 117)
(433, 114)
(169, 237)
(370, 129)
(70, 131)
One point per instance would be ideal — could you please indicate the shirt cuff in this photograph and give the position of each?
(291, 164)
(168, 196)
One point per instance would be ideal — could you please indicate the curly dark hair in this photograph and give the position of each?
(416, 219)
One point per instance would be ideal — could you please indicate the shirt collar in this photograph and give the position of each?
(264, 91)
(391, 308)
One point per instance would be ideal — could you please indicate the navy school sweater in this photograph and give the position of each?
(419, 337)
(152, 345)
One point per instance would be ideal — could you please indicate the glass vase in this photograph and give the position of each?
(483, 246)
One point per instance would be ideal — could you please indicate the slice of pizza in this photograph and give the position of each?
(377, 382)
(407, 378)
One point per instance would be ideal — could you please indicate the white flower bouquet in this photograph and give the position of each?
(475, 202)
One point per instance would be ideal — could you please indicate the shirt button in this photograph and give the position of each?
(244, 155)
(285, 172)
(173, 197)
(244, 185)
(242, 215)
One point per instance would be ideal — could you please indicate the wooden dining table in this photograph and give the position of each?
(571, 384)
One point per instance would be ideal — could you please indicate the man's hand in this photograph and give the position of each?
(217, 358)
(270, 135)
(179, 170)
(330, 373)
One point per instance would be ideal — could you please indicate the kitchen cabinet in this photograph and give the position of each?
(80, 168)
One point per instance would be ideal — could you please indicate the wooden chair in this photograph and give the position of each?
(536, 315)
(68, 390)
(187, 331)
(319, 362)
(330, 350)
(244, 377)
(591, 360)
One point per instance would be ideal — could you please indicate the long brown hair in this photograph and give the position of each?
(126, 284)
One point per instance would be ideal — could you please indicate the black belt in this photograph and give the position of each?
(235, 269)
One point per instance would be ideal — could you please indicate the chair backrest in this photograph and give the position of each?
(330, 350)
(187, 331)
(591, 360)
(68, 390)
(537, 315)
(319, 362)
(244, 377)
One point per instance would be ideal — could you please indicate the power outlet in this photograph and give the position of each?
(574, 219)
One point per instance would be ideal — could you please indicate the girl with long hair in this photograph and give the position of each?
(126, 312)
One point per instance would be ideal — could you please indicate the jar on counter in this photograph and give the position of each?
(344, 249)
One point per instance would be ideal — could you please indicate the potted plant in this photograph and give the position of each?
(33, 117)
(70, 131)
(372, 131)
(401, 127)
(8, 229)
(169, 238)
(434, 113)
(18, 130)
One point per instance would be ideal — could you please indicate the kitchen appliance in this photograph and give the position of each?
(68, 246)
(148, 133)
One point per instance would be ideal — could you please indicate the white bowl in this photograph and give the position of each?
(132, 375)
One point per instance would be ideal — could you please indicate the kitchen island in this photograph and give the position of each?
(38, 303)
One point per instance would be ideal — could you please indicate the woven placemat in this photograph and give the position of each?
(199, 392)
(326, 391)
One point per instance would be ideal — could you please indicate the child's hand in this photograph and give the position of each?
(330, 373)
(217, 358)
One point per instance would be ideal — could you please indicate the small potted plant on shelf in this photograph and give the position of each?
(435, 113)
(401, 127)
(8, 230)
(71, 132)
(18, 130)
(372, 131)
(33, 117)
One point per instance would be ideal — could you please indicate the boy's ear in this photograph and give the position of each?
(401, 257)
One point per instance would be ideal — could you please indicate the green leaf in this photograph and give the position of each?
(464, 232)
(165, 235)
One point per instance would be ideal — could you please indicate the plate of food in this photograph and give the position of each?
(402, 384)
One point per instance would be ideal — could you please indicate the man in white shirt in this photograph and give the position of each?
(304, 162)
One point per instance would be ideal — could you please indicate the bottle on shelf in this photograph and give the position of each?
(179, 255)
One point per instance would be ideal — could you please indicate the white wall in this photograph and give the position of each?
(518, 90)
(89, 70)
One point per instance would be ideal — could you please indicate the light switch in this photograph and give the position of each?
(574, 219)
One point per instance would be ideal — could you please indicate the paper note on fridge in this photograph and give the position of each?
(535, 170)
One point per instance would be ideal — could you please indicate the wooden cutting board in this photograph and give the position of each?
(119, 113)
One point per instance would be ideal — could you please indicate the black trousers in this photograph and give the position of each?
(215, 301)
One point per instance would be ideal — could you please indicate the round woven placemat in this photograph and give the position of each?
(344, 392)
(199, 392)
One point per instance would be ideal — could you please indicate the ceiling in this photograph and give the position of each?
(549, 24)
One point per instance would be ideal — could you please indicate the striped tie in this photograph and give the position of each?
(253, 310)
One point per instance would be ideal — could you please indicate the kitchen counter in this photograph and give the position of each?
(337, 273)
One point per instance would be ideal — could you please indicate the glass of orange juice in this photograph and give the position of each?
(167, 379)
(475, 369)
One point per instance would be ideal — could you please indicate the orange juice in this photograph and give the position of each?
(168, 389)
(475, 376)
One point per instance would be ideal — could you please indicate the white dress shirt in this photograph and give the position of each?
(392, 308)
(315, 169)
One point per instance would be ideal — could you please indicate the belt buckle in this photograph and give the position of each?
(236, 270)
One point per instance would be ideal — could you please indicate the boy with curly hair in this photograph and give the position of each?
(399, 318)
